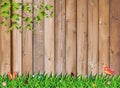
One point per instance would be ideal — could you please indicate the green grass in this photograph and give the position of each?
(60, 81)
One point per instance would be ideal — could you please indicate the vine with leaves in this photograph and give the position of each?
(9, 11)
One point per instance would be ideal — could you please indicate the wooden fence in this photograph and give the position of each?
(83, 37)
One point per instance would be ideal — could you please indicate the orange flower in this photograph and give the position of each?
(107, 70)
(12, 76)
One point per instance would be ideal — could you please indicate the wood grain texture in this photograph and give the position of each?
(92, 36)
(38, 43)
(27, 44)
(104, 54)
(49, 41)
(60, 36)
(17, 46)
(115, 36)
(82, 37)
(71, 36)
(5, 48)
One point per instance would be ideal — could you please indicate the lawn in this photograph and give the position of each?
(59, 81)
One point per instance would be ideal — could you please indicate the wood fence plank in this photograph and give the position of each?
(104, 54)
(92, 36)
(27, 44)
(60, 36)
(5, 48)
(17, 46)
(49, 41)
(82, 37)
(38, 43)
(115, 36)
(71, 36)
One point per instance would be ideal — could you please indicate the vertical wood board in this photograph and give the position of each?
(60, 36)
(27, 44)
(38, 42)
(17, 46)
(92, 36)
(115, 36)
(104, 54)
(71, 36)
(82, 32)
(49, 41)
(5, 48)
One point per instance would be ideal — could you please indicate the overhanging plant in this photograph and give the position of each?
(9, 11)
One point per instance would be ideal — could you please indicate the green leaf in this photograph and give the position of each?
(41, 10)
(15, 9)
(11, 28)
(44, 13)
(42, 4)
(5, 6)
(29, 27)
(16, 5)
(6, 15)
(21, 27)
(30, 11)
(23, 18)
(29, 20)
(40, 16)
(15, 17)
(4, 23)
(15, 25)
(48, 7)
(36, 19)
(52, 14)
(26, 8)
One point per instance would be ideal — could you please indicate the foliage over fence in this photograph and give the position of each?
(9, 12)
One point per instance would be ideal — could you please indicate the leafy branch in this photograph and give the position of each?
(10, 11)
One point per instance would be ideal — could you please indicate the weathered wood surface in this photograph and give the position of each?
(104, 36)
(17, 46)
(5, 48)
(115, 35)
(71, 32)
(49, 41)
(38, 43)
(82, 37)
(27, 44)
(93, 36)
(60, 37)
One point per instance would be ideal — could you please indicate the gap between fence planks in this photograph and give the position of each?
(104, 55)
(60, 36)
(71, 32)
(92, 36)
(82, 37)
(38, 43)
(115, 36)
(49, 42)
(27, 44)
